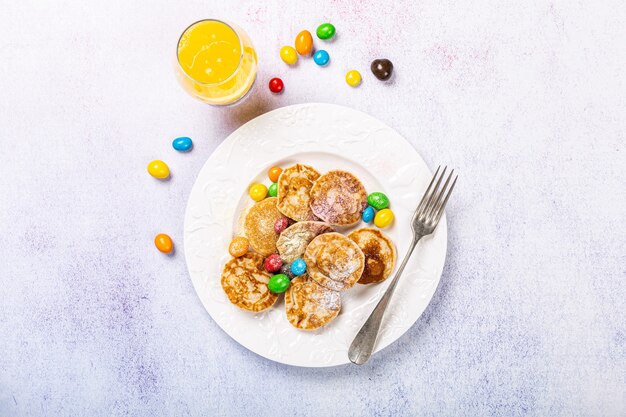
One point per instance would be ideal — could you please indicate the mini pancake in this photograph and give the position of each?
(334, 261)
(293, 240)
(338, 198)
(294, 185)
(244, 281)
(380, 254)
(310, 306)
(259, 226)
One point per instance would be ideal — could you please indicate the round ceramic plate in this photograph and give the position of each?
(326, 137)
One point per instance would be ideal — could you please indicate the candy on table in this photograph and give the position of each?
(368, 214)
(273, 190)
(280, 225)
(304, 43)
(288, 55)
(383, 218)
(382, 69)
(298, 267)
(238, 246)
(278, 283)
(286, 270)
(276, 85)
(273, 263)
(182, 144)
(258, 192)
(353, 78)
(378, 200)
(274, 173)
(325, 31)
(163, 243)
(158, 169)
(321, 57)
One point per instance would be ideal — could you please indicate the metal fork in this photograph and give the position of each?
(424, 222)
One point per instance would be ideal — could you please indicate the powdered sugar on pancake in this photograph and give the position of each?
(334, 261)
(339, 198)
(293, 241)
(310, 306)
(294, 186)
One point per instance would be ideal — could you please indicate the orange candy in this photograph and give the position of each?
(238, 246)
(163, 243)
(274, 173)
(304, 43)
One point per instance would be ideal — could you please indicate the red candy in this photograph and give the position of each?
(280, 225)
(273, 263)
(276, 85)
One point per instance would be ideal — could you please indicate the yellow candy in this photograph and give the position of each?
(288, 55)
(353, 78)
(383, 218)
(158, 169)
(258, 192)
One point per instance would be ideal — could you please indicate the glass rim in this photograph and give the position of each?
(240, 47)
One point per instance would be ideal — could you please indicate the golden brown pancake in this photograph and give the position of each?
(294, 240)
(310, 306)
(334, 261)
(259, 226)
(294, 185)
(380, 254)
(338, 198)
(244, 281)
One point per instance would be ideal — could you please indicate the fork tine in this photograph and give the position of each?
(442, 205)
(427, 192)
(432, 200)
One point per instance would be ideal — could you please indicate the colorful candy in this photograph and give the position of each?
(273, 263)
(274, 173)
(238, 246)
(288, 55)
(158, 169)
(321, 57)
(278, 283)
(382, 69)
(325, 31)
(280, 225)
(378, 200)
(383, 218)
(258, 192)
(273, 190)
(368, 214)
(276, 85)
(298, 267)
(304, 43)
(182, 144)
(353, 78)
(286, 269)
(163, 243)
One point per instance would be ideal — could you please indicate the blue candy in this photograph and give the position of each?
(182, 144)
(368, 214)
(298, 267)
(321, 57)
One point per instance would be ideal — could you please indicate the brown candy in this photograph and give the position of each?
(382, 69)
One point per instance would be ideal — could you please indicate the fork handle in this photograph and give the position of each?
(363, 344)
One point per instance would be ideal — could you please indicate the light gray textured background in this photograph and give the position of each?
(526, 98)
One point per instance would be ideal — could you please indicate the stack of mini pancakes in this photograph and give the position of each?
(315, 205)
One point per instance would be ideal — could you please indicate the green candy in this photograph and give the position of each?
(273, 190)
(378, 200)
(278, 283)
(325, 31)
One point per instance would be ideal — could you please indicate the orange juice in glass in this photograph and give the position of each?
(216, 62)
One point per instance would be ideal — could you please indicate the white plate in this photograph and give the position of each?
(326, 137)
